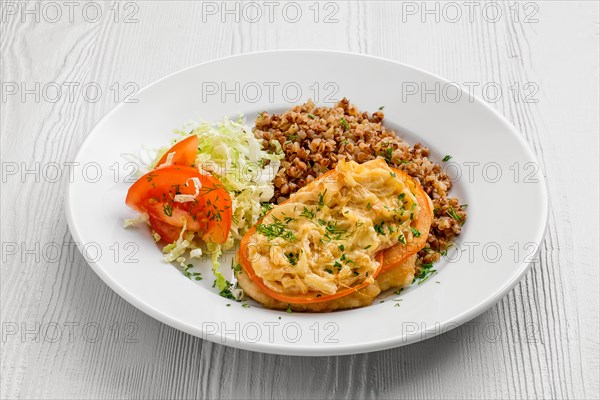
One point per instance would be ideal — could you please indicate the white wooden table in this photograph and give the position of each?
(544, 57)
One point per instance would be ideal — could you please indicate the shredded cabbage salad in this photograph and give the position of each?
(229, 151)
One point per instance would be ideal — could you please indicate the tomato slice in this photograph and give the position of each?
(184, 152)
(397, 254)
(168, 233)
(208, 212)
(388, 258)
(311, 297)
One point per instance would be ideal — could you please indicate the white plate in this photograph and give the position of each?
(499, 178)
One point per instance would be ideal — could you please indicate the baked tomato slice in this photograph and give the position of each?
(178, 195)
(399, 253)
(184, 153)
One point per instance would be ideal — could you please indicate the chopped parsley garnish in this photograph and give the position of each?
(265, 208)
(237, 268)
(379, 228)
(415, 232)
(424, 273)
(402, 239)
(453, 214)
(344, 123)
(226, 292)
(276, 229)
(306, 213)
(214, 216)
(445, 251)
(367, 247)
(381, 108)
(245, 305)
(341, 247)
(168, 210)
(289, 308)
(369, 206)
(332, 231)
(388, 154)
(329, 270)
(293, 258)
(191, 275)
(322, 198)
(311, 116)
(337, 265)
(177, 188)
(446, 158)
(150, 176)
(393, 175)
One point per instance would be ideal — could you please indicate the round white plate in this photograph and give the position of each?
(495, 173)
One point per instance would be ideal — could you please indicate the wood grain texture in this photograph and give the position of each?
(547, 327)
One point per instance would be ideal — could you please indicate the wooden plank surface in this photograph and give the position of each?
(544, 56)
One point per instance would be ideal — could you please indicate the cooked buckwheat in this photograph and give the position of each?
(314, 139)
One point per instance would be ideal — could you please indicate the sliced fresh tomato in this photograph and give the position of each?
(184, 152)
(162, 193)
(168, 233)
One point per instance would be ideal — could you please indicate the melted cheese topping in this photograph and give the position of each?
(326, 236)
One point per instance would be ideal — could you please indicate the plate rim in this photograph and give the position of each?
(330, 349)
